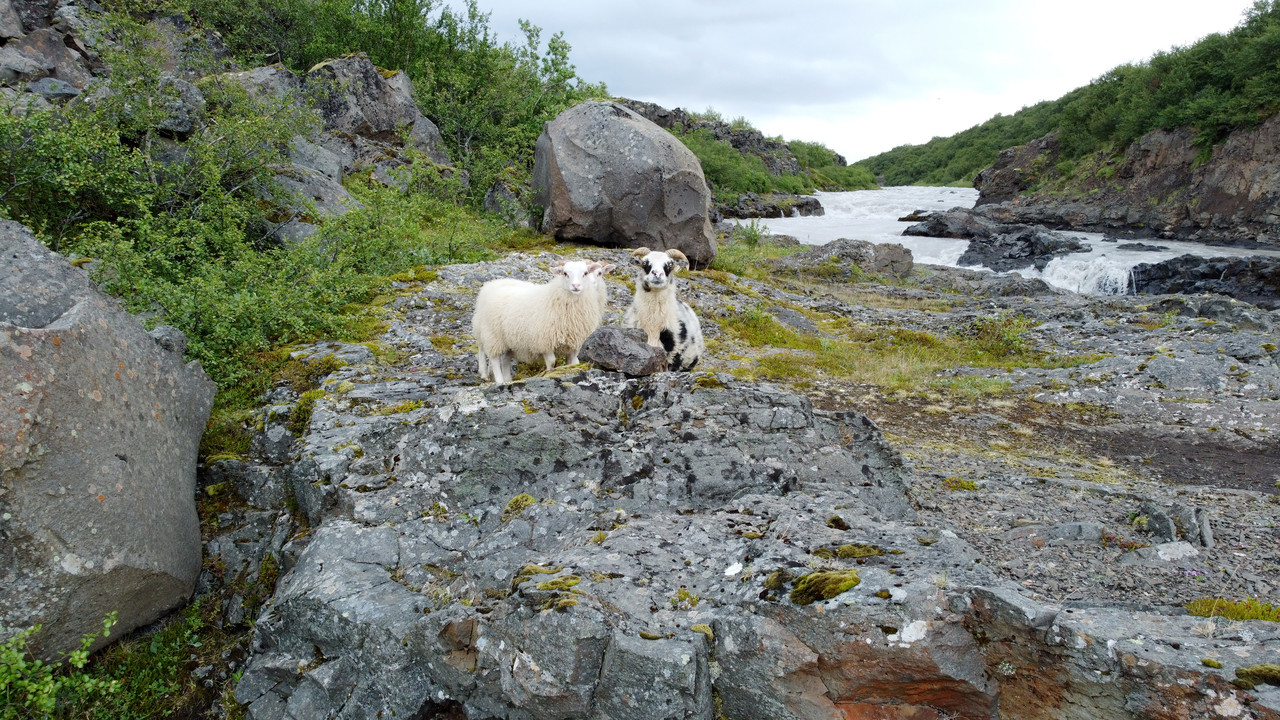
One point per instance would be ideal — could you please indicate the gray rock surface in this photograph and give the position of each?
(607, 176)
(10, 22)
(842, 259)
(355, 98)
(98, 436)
(669, 519)
(623, 349)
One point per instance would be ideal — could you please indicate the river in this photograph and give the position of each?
(872, 215)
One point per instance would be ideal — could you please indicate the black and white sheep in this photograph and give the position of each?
(668, 321)
(516, 320)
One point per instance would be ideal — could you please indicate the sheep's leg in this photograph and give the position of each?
(550, 359)
(573, 358)
(483, 361)
(503, 368)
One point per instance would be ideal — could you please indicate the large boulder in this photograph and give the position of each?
(99, 428)
(606, 175)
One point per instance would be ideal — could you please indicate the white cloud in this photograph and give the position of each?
(861, 76)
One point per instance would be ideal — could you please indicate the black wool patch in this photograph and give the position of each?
(668, 340)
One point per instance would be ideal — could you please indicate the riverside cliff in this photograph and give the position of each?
(1162, 185)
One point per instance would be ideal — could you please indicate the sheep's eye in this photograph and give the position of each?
(669, 266)
(645, 265)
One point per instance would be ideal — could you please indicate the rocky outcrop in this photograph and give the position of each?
(607, 176)
(777, 156)
(1163, 185)
(771, 205)
(584, 544)
(1253, 280)
(99, 426)
(845, 260)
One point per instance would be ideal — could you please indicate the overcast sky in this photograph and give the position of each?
(861, 76)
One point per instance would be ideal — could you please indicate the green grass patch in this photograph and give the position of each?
(737, 254)
(892, 358)
(1247, 609)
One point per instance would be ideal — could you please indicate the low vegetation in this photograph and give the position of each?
(894, 359)
(1247, 609)
(731, 172)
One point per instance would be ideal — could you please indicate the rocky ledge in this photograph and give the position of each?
(584, 544)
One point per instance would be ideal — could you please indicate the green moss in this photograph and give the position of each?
(599, 537)
(776, 580)
(418, 273)
(304, 375)
(300, 418)
(561, 583)
(926, 541)
(836, 522)
(1210, 662)
(884, 594)
(1248, 609)
(517, 505)
(823, 585)
(685, 600)
(705, 630)
(958, 484)
(401, 407)
(751, 535)
(857, 550)
(1252, 676)
(637, 402)
(649, 636)
(707, 381)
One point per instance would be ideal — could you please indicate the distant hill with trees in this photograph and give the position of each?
(1222, 83)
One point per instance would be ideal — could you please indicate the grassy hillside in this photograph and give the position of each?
(1219, 84)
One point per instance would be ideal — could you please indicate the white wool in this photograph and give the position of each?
(655, 308)
(518, 320)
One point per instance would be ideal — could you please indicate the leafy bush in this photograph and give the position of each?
(33, 688)
(489, 99)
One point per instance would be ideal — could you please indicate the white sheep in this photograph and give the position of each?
(518, 320)
(668, 321)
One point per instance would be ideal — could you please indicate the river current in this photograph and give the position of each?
(872, 215)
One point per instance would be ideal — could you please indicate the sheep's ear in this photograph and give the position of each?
(640, 252)
(557, 269)
(678, 256)
(604, 269)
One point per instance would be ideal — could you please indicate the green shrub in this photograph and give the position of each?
(33, 688)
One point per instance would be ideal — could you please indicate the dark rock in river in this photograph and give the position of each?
(1254, 280)
(771, 205)
(1027, 247)
(958, 223)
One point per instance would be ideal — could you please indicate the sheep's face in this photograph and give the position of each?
(657, 269)
(575, 273)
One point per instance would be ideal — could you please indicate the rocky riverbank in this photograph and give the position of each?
(1162, 185)
(779, 536)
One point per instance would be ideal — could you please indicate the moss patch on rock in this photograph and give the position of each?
(823, 585)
